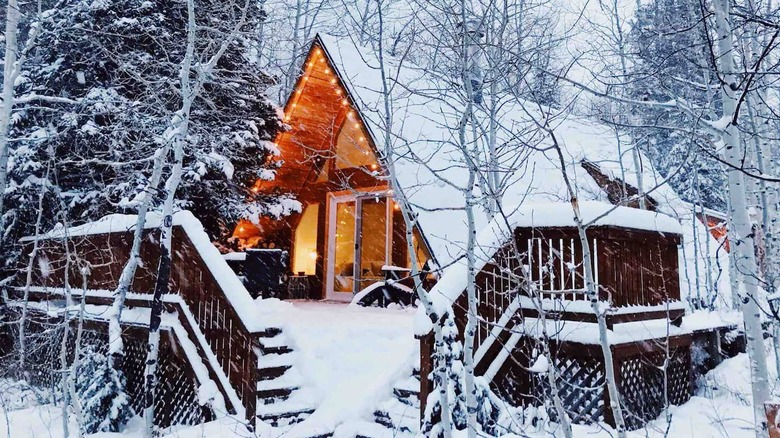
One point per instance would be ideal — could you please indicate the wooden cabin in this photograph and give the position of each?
(350, 227)
(350, 234)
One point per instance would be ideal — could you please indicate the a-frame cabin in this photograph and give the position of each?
(350, 229)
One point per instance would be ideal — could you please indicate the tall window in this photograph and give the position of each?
(305, 254)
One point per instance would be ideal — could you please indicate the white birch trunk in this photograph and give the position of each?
(593, 295)
(409, 224)
(743, 244)
(178, 133)
(28, 280)
(10, 72)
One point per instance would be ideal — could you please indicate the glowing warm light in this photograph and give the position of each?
(374, 167)
(396, 207)
(298, 91)
(327, 71)
(362, 138)
(255, 190)
(240, 229)
(318, 51)
(344, 101)
(357, 125)
(333, 81)
(351, 113)
(338, 92)
(305, 78)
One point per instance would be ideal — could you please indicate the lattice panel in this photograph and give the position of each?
(177, 396)
(642, 384)
(580, 385)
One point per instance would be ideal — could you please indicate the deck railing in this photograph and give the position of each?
(636, 273)
(227, 334)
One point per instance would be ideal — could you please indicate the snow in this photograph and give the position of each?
(541, 365)
(230, 284)
(347, 357)
(720, 408)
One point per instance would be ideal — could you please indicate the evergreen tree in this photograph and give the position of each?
(105, 407)
(671, 61)
(114, 66)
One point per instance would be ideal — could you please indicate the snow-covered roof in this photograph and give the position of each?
(430, 169)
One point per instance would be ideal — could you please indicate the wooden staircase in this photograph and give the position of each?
(280, 400)
(401, 413)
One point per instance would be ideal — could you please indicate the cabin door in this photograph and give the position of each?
(359, 242)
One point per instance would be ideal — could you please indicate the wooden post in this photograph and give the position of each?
(426, 368)
(772, 410)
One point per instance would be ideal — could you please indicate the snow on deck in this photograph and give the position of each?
(536, 215)
(230, 284)
(349, 356)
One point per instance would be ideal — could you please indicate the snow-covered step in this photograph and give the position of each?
(291, 378)
(273, 366)
(394, 414)
(368, 429)
(409, 384)
(279, 340)
(284, 413)
(278, 360)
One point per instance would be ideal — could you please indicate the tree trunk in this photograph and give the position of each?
(743, 244)
(10, 70)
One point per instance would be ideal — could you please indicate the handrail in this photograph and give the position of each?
(136, 300)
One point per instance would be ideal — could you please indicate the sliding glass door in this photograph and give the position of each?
(359, 242)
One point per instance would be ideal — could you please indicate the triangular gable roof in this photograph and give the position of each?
(430, 168)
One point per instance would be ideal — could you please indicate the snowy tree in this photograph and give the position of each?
(669, 42)
(105, 406)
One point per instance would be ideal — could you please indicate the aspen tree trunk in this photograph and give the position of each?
(74, 367)
(743, 245)
(64, 343)
(116, 347)
(10, 72)
(552, 370)
(28, 281)
(593, 294)
(178, 133)
(12, 67)
(409, 224)
(471, 320)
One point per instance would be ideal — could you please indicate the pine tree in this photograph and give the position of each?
(114, 66)
(671, 62)
(105, 406)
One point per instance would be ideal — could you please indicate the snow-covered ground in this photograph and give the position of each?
(349, 356)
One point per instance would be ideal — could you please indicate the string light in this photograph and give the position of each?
(344, 101)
